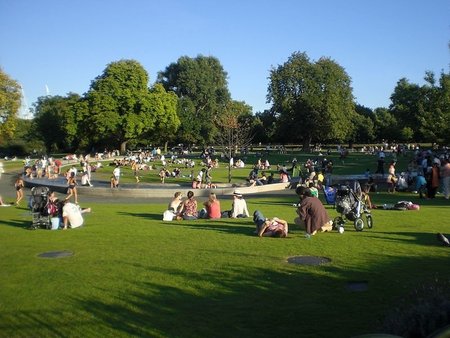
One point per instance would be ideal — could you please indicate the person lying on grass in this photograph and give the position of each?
(269, 227)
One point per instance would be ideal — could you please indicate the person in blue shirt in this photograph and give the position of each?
(421, 184)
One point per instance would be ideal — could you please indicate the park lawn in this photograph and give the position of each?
(355, 163)
(133, 275)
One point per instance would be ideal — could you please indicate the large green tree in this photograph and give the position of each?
(167, 121)
(10, 100)
(59, 119)
(423, 111)
(201, 84)
(364, 131)
(121, 106)
(313, 100)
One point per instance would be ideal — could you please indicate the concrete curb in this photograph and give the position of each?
(101, 189)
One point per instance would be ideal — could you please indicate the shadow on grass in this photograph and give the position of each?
(18, 223)
(252, 302)
(420, 238)
(242, 228)
(156, 217)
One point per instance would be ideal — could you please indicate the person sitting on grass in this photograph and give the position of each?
(312, 214)
(72, 215)
(238, 208)
(314, 191)
(212, 208)
(366, 197)
(266, 227)
(189, 208)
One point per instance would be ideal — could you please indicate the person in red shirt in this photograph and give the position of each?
(212, 206)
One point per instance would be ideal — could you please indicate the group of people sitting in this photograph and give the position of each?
(70, 214)
(312, 215)
(187, 209)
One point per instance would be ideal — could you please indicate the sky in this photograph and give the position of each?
(54, 47)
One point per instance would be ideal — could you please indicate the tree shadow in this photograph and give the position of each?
(240, 301)
(221, 225)
(18, 223)
(150, 216)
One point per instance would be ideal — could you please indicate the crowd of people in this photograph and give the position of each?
(312, 216)
(425, 173)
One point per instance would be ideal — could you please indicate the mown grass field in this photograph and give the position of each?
(133, 275)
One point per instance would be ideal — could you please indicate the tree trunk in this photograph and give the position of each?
(307, 144)
(123, 147)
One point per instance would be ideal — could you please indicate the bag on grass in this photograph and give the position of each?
(168, 215)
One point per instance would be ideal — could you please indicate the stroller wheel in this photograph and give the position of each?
(359, 224)
(369, 221)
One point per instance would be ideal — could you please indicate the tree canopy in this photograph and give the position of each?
(58, 118)
(423, 112)
(10, 101)
(121, 106)
(313, 100)
(201, 85)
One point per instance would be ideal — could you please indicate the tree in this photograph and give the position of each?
(364, 131)
(264, 129)
(167, 121)
(120, 104)
(313, 101)
(423, 110)
(10, 101)
(58, 121)
(386, 125)
(201, 85)
(234, 125)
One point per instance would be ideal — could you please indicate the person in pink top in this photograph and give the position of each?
(212, 207)
(445, 175)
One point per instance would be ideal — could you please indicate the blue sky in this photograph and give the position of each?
(63, 45)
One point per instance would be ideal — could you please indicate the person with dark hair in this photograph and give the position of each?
(269, 227)
(19, 185)
(72, 189)
(189, 208)
(312, 214)
(433, 182)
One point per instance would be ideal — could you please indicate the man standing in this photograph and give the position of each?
(312, 214)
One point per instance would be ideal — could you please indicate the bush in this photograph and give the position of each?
(424, 311)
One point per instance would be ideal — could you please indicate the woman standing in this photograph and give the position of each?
(392, 179)
(72, 190)
(19, 185)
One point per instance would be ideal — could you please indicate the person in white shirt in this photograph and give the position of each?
(72, 215)
(239, 208)
(116, 174)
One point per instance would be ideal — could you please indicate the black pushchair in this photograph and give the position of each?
(39, 208)
(351, 207)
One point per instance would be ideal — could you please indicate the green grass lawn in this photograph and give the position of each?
(355, 163)
(133, 275)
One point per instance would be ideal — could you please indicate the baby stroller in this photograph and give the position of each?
(351, 207)
(39, 205)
